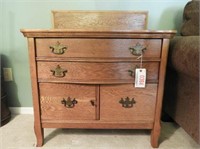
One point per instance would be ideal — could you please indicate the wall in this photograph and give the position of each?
(17, 14)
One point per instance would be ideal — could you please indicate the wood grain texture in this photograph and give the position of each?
(143, 109)
(98, 48)
(134, 20)
(95, 72)
(51, 96)
(97, 124)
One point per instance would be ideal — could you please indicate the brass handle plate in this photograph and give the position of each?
(138, 49)
(69, 103)
(127, 102)
(58, 72)
(58, 48)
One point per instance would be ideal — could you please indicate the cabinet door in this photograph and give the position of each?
(127, 103)
(67, 101)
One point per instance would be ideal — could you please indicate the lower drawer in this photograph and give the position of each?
(127, 103)
(67, 102)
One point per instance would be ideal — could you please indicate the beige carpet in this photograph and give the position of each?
(19, 134)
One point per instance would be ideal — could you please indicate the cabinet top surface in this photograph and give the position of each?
(98, 33)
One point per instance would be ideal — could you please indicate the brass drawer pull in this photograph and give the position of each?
(58, 72)
(127, 102)
(137, 50)
(58, 48)
(69, 103)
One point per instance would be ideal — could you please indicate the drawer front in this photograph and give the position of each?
(115, 48)
(127, 103)
(96, 73)
(67, 102)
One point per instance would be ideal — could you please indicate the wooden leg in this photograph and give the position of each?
(39, 132)
(155, 133)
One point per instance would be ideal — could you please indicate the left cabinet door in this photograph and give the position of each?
(60, 101)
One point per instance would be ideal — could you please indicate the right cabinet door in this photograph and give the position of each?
(126, 103)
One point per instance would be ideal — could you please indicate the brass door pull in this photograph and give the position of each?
(127, 102)
(93, 102)
(58, 48)
(58, 72)
(132, 71)
(69, 103)
(137, 50)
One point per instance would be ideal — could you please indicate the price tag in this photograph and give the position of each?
(140, 77)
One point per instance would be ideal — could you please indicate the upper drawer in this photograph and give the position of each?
(93, 73)
(102, 48)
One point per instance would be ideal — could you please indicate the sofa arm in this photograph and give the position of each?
(184, 55)
(190, 26)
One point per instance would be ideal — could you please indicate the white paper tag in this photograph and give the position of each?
(140, 77)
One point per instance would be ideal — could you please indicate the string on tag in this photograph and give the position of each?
(140, 74)
(140, 57)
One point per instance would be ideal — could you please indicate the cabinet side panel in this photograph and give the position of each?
(155, 133)
(35, 95)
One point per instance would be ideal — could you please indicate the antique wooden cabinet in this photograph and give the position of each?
(84, 78)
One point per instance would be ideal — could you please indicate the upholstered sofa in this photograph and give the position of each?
(181, 96)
